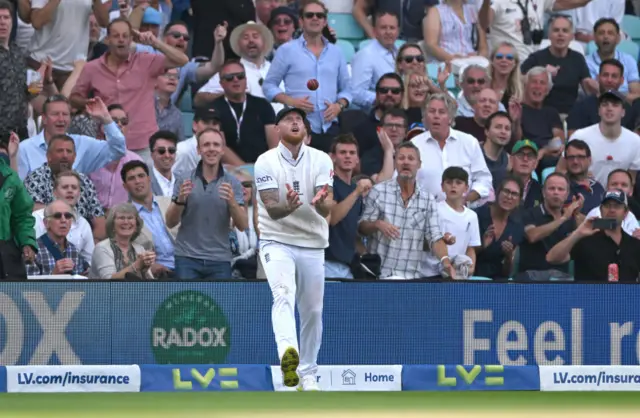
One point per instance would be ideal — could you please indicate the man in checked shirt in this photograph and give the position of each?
(401, 221)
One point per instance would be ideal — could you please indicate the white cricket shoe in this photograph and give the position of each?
(308, 383)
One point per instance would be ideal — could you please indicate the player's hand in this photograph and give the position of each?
(388, 230)
(321, 196)
(449, 239)
(293, 199)
(185, 191)
(364, 187)
(302, 103)
(489, 236)
(63, 266)
(226, 192)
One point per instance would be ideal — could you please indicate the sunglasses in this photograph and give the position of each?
(282, 21)
(247, 184)
(238, 76)
(501, 56)
(410, 58)
(59, 215)
(121, 121)
(392, 90)
(163, 150)
(480, 81)
(178, 35)
(56, 98)
(311, 15)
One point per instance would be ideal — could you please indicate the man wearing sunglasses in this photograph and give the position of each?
(473, 79)
(283, 23)
(375, 59)
(163, 145)
(251, 42)
(168, 115)
(56, 255)
(312, 57)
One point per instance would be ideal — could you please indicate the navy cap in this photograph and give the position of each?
(205, 114)
(284, 112)
(611, 94)
(616, 195)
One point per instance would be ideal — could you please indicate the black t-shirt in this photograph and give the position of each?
(538, 124)
(342, 236)
(414, 115)
(498, 169)
(533, 255)
(253, 139)
(585, 113)
(592, 256)
(573, 69)
(469, 125)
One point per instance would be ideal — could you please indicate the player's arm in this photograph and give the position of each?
(275, 208)
(324, 207)
(324, 187)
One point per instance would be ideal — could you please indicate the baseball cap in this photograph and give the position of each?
(611, 94)
(414, 130)
(152, 17)
(284, 112)
(525, 143)
(616, 195)
(206, 114)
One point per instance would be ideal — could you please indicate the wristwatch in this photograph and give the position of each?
(175, 200)
(342, 106)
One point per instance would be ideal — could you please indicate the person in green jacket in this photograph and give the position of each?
(17, 235)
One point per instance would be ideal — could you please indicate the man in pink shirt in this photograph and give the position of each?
(107, 180)
(128, 78)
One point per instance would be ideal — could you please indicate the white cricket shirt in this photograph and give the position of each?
(274, 170)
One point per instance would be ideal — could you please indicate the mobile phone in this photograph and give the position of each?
(605, 223)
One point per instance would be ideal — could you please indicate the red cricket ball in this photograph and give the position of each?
(609, 157)
(313, 84)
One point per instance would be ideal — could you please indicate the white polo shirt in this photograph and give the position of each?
(608, 155)
(274, 170)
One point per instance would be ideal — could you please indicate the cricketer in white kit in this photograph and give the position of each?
(295, 197)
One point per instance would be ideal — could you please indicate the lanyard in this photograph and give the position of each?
(233, 113)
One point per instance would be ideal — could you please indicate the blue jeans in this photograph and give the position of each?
(188, 268)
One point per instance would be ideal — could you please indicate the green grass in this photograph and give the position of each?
(157, 404)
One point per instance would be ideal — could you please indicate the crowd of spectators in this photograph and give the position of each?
(516, 157)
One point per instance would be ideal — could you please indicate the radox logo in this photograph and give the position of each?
(190, 328)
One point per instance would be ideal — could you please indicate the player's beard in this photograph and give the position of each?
(294, 138)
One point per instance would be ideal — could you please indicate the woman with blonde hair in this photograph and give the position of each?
(117, 257)
(416, 90)
(504, 70)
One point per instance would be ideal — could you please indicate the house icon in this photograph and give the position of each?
(348, 378)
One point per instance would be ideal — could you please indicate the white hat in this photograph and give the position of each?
(267, 36)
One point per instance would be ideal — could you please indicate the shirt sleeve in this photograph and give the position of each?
(38, 194)
(480, 174)
(528, 64)
(432, 231)
(264, 176)
(361, 80)
(83, 85)
(275, 76)
(213, 85)
(102, 264)
(268, 115)
(635, 165)
(324, 175)
(528, 217)
(582, 66)
(93, 154)
(631, 71)
(154, 64)
(370, 209)
(474, 231)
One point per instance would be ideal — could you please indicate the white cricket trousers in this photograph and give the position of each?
(296, 274)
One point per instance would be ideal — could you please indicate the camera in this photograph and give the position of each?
(529, 36)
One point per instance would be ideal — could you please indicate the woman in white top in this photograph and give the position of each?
(117, 257)
(451, 31)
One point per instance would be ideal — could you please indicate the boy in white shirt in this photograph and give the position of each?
(459, 224)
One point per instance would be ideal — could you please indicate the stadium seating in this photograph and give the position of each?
(346, 26)
(187, 122)
(348, 50)
(546, 172)
(631, 26)
(432, 72)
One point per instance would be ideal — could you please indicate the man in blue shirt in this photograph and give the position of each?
(311, 57)
(375, 59)
(343, 226)
(91, 154)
